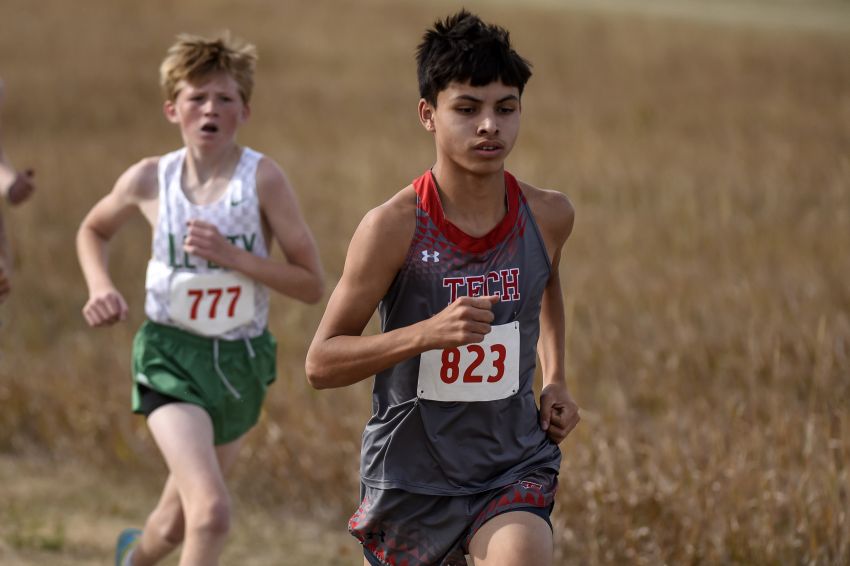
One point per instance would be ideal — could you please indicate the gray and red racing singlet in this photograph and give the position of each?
(462, 420)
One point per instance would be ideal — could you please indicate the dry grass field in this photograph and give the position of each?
(706, 281)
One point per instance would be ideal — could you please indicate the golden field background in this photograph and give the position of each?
(706, 281)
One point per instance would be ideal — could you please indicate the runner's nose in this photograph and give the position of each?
(209, 107)
(488, 125)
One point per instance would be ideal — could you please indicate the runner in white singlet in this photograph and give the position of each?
(203, 358)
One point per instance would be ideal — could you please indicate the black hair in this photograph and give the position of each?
(463, 48)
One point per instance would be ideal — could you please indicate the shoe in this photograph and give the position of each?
(127, 541)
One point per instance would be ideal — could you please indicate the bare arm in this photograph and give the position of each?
(300, 275)
(15, 187)
(339, 355)
(106, 305)
(5, 251)
(5, 263)
(558, 412)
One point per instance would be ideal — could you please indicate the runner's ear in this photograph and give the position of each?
(426, 115)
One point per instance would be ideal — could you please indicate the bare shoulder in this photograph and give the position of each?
(397, 213)
(139, 183)
(270, 176)
(393, 221)
(275, 191)
(552, 210)
(386, 231)
(136, 189)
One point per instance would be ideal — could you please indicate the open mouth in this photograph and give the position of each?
(488, 150)
(488, 146)
(209, 128)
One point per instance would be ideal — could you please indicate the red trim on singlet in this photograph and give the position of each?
(429, 199)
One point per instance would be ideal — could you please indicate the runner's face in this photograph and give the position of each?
(208, 111)
(474, 126)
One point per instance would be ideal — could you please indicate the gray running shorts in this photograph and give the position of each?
(400, 528)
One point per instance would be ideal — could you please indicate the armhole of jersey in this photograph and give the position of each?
(246, 171)
(533, 221)
(161, 228)
(421, 217)
(420, 226)
(252, 167)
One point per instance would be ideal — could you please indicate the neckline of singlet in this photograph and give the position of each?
(426, 188)
(178, 180)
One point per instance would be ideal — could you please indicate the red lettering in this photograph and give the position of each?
(454, 283)
(450, 370)
(475, 284)
(498, 363)
(503, 283)
(494, 276)
(468, 376)
(510, 284)
(197, 293)
(235, 291)
(451, 364)
(216, 293)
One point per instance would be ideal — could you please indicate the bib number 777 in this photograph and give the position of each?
(486, 371)
(211, 303)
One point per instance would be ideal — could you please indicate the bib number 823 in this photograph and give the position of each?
(451, 369)
(486, 371)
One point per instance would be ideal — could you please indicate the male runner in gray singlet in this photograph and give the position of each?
(463, 264)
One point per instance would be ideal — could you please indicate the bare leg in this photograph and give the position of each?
(516, 538)
(195, 506)
(163, 530)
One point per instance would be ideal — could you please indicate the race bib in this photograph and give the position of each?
(485, 371)
(211, 304)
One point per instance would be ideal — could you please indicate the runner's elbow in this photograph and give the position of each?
(318, 375)
(315, 293)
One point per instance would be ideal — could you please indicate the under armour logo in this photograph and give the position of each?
(434, 256)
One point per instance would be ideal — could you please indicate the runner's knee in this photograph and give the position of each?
(211, 517)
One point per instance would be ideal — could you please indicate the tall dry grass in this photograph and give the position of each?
(706, 280)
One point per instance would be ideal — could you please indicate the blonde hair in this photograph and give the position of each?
(193, 57)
